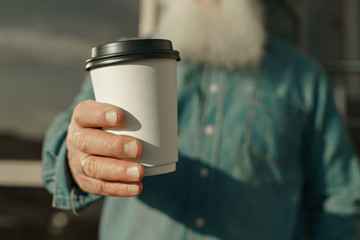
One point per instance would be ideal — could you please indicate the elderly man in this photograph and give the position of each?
(262, 151)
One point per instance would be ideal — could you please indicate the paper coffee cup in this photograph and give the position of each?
(139, 76)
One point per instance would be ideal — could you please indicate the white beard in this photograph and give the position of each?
(230, 35)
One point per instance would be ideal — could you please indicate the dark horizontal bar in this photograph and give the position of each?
(344, 66)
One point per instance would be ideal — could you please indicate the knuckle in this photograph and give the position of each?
(79, 109)
(118, 145)
(102, 187)
(82, 183)
(77, 112)
(91, 167)
(83, 187)
(68, 141)
(110, 143)
(70, 135)
(82, 140)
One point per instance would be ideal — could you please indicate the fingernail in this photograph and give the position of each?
(133, 172)
(131, 148)
(111, 116)
(133, 188)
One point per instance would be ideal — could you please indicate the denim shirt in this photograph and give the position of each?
(262, 155)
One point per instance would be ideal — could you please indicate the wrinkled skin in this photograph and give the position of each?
(98, 160)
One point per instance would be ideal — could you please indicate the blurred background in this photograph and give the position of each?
(44, 45)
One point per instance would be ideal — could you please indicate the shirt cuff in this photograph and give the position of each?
(67, 194)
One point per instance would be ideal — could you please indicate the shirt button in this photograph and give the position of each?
(209, 129)
(213, 88)
(199, 223)
(204, 172)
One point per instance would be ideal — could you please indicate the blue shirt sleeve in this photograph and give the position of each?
(332, 180)
(56, 173)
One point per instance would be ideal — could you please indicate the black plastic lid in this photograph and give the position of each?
(130, 50)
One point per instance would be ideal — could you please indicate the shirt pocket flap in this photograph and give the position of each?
(274, 128)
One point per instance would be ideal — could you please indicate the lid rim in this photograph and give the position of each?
(132, 53)
(118, 60)
(129, 50)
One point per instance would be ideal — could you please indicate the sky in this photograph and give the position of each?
(44, 45)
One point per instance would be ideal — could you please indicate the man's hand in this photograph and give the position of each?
(98, 160)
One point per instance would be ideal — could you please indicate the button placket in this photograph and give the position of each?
(202, 189)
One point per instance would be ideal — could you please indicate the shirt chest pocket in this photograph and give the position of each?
(274, 129)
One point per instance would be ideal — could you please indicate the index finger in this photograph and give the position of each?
(92, 114)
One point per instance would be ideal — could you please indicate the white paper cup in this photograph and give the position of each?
(139, 76)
